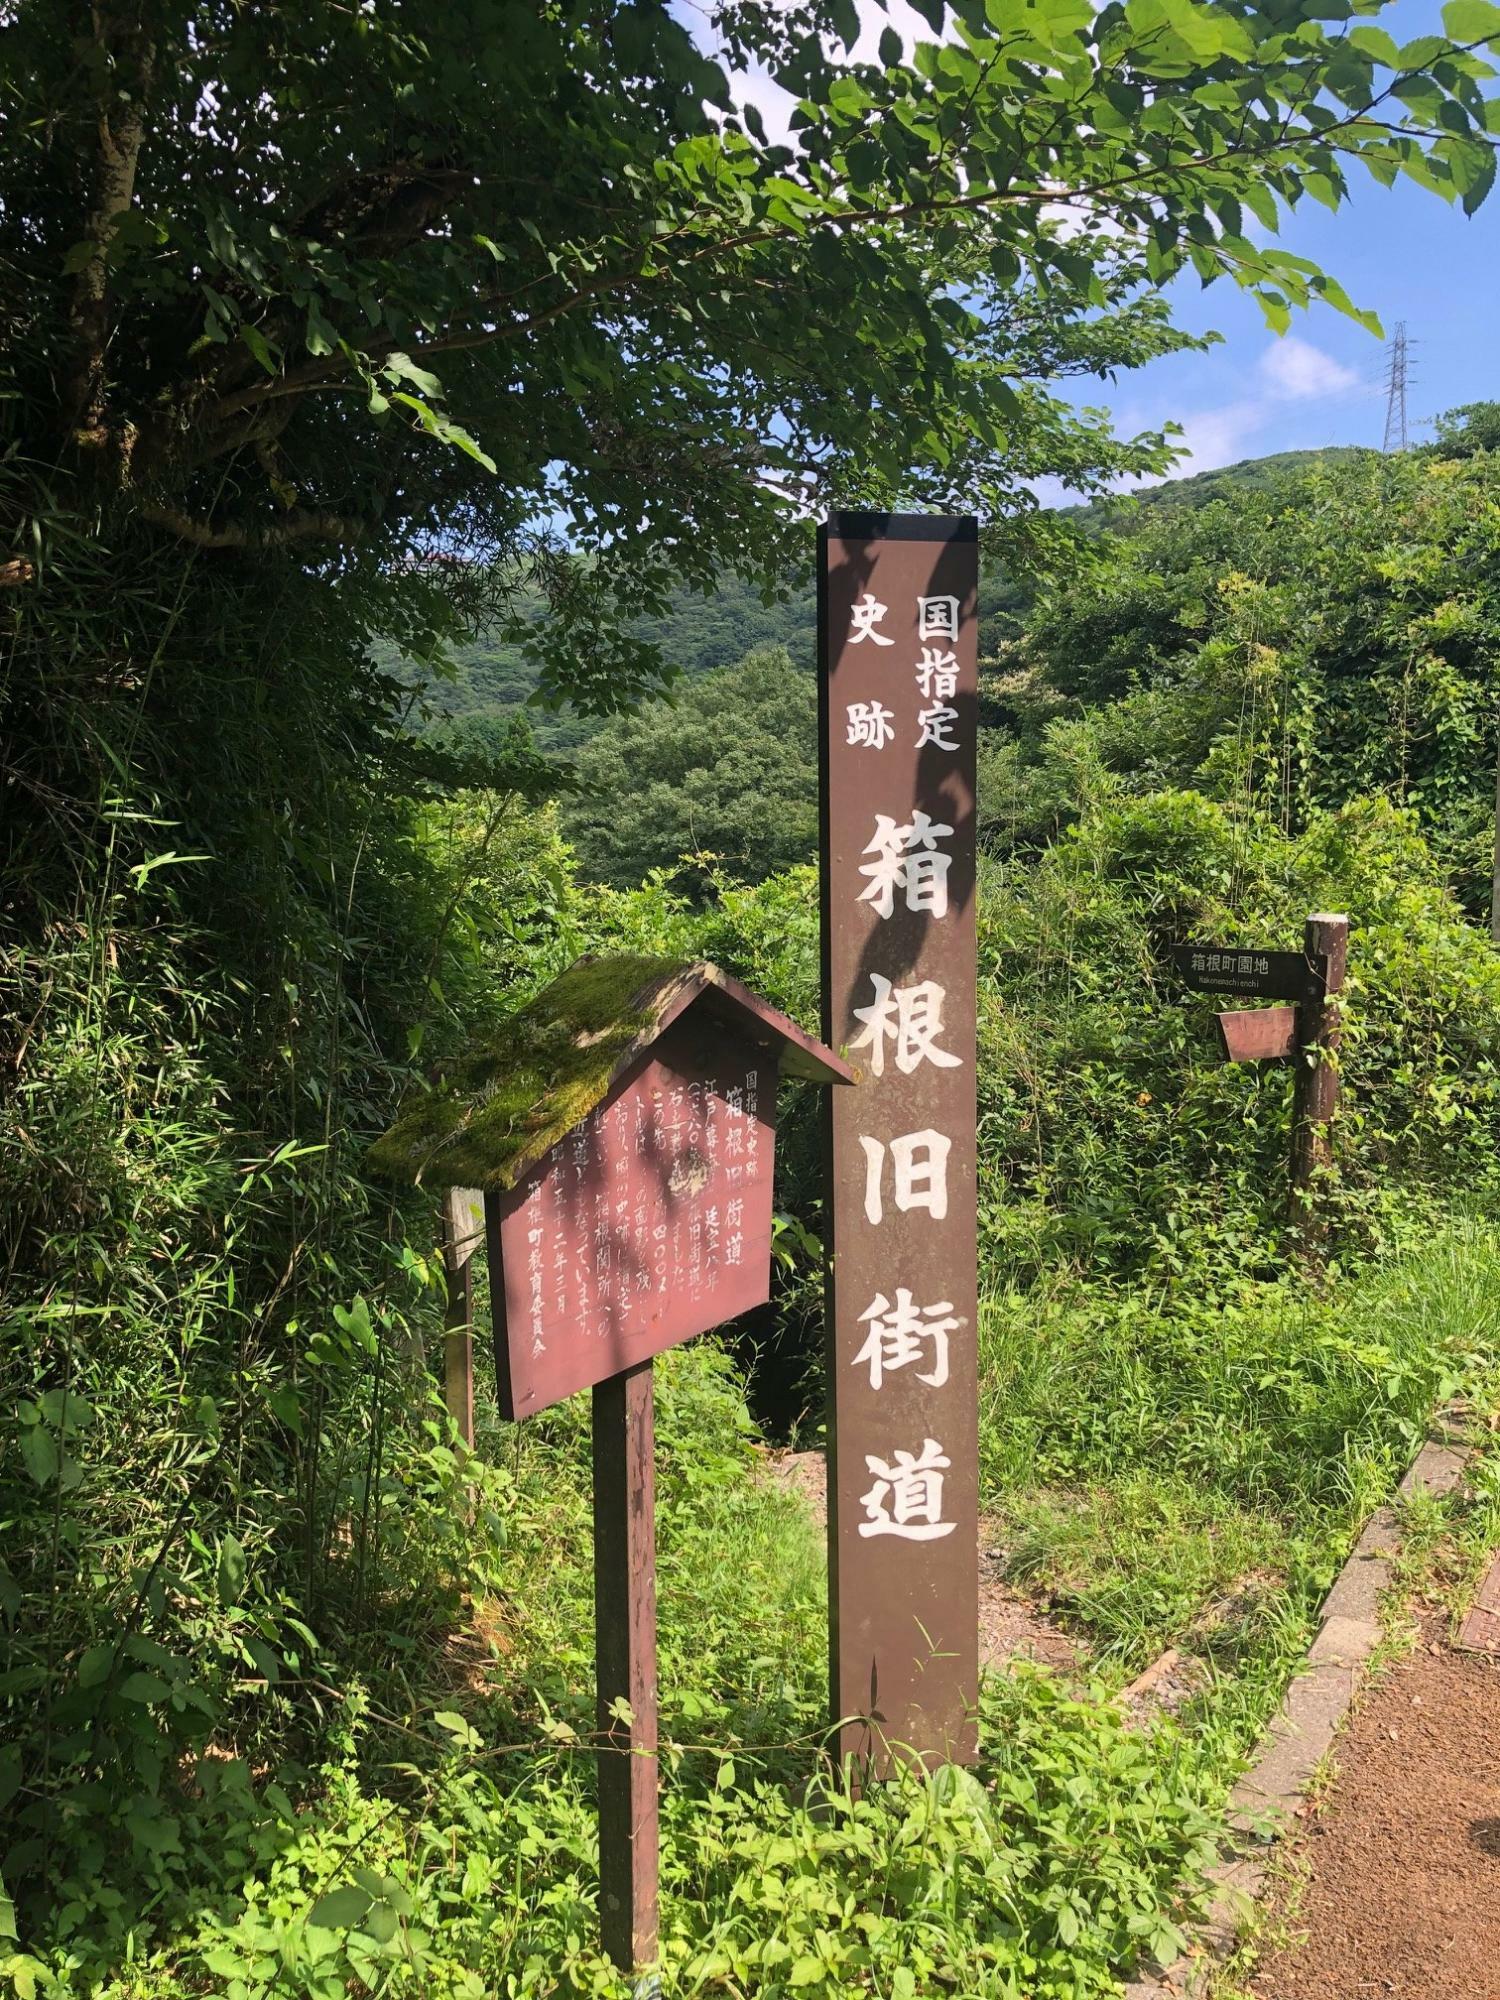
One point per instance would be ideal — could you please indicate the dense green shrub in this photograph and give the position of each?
(1332, 633)
(1114, 1136)
(222, 1476)
(436, 1834)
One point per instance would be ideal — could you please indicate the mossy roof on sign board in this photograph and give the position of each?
(507, 1103)
(504, 1104)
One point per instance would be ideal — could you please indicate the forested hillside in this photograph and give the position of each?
(486, 685)
(492, 682)
(1286, 634)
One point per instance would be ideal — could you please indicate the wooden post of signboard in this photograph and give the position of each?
(460, 1236)
(1316, 1088)
(625, 1664)
(898, 700)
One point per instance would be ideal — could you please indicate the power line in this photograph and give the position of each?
(1396, 380)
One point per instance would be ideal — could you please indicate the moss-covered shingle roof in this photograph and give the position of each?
(506, 1104)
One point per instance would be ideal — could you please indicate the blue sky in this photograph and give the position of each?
(1402, 253)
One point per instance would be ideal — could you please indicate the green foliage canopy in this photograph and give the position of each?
(415, 280)
(729, 771)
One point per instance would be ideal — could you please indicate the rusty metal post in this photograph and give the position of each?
(460, 1236)
(1316, 1088)
(625, 1656)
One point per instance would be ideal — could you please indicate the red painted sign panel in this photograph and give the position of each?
(649, 1223)
(1259, 1034)
(898, 623)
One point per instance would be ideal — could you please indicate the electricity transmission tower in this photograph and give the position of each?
(1395, 390)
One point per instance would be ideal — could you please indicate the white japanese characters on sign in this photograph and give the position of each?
(919, 1170)
(936, 725)
(911, 1017)
(907, 1497)
(902, 1334)
(937, 617)
(1244, 963)
(871, 726)
(907, 858)
(937, 674)
(867, 615)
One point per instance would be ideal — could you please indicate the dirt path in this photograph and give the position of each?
(1012, 1625)
(1403, 1895)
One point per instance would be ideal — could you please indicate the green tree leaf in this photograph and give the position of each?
(259, 347)
(97, 1665)
(340, 1909)
(148, 1689)
(381, 1923)
(231, 1570)
(1472, 20)
(66, 1411)
(39, 1454)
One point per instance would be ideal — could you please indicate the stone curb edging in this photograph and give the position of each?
(1264, 1802)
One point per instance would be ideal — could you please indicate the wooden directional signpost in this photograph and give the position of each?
(622, 1133)
(1266, 975)
(897, 615)
(1305, 1032)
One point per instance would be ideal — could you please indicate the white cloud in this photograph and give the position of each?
(1204, 439)
(1219, 436)
(775, 105)
(1293, 370)
(1289, 370)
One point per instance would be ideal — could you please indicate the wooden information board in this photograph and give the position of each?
(623, 1129)
(648, 1223)
(899, 700)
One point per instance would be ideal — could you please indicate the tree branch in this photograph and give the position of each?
(1146, 182)
(302, 525)
(128, 57)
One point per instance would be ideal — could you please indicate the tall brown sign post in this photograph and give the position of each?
(897, 620)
